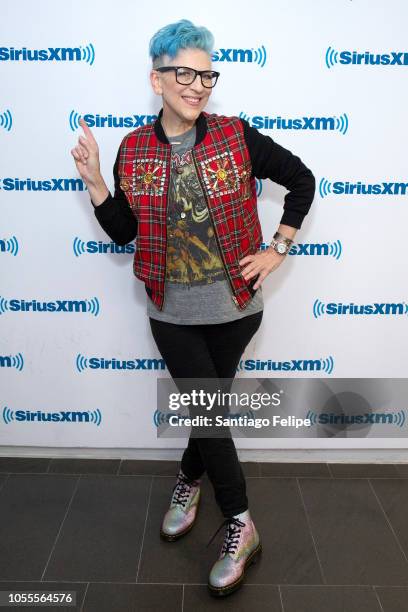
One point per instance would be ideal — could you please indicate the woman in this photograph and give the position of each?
(185, 186)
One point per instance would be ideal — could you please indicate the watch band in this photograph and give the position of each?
(281, 244)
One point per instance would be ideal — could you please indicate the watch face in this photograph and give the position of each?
(281, 248)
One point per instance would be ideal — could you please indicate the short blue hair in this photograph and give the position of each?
(180, 35)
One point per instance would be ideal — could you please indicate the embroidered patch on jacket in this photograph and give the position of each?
(148, 177)
(221, 174)
(245, 178)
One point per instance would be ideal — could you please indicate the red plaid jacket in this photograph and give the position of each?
(223, 166)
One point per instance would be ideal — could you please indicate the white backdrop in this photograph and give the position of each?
(293, 64)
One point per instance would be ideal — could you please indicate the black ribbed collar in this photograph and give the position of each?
(201, 128)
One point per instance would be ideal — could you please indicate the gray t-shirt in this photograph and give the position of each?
(197, 288)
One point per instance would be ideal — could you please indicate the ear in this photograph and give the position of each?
(155, 80)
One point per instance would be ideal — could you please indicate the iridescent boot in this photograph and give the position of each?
(240, 548)
(181, 515)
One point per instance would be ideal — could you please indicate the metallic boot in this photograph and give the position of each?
(181, 515)
(240, 548)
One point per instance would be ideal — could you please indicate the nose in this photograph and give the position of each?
(197, 85)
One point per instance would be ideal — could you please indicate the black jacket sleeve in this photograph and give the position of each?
(114, 215)
(271, 160)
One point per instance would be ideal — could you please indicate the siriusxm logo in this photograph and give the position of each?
(328, 249)
(21, 305)
(376, 308)
(12, 361)
(6, 120)
(101, 363)
(331, 123)
(110, 121)
(53, 184)
(293, 365)
(356, 58)
(93, 247)
(248, 56)
(51, 54)
(62, 416)
(359, 188)
(377, 418)
(9, 245)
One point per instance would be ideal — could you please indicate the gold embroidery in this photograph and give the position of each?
(148, 177)
(245, 178)
(220, 174)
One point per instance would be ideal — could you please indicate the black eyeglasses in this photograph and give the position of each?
(186, 76)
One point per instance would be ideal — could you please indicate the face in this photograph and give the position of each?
(182, 103)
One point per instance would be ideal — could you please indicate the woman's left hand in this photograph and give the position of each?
(261, 263)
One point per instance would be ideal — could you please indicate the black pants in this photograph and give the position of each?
(210, 351)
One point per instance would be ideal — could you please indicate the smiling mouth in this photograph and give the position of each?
(192, 101)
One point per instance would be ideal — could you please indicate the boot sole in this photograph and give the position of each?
(172, 537)
(230, 588)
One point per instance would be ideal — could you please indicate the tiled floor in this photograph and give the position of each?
(335, 537)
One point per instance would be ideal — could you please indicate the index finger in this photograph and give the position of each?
(87, 130)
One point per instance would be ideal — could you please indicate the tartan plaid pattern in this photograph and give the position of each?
(223, 166)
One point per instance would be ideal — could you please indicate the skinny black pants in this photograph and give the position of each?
(209, 351)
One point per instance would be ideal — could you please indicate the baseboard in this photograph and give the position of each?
(379, 455)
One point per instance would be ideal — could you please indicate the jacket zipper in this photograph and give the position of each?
(251, 241)
(165, 265)
(165, 269)
(234, 299)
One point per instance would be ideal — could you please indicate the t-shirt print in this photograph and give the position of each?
(193, 256)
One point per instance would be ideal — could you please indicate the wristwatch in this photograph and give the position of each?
(281, 244)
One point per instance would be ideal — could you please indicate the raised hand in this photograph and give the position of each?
(86, 155)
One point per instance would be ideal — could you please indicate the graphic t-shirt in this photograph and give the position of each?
(197, 288)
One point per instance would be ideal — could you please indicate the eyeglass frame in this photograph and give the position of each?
(200, 72)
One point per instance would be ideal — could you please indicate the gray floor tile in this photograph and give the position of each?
(255, 598)
(402, 469)
(102, 533)
(294, 469)
(84, 466)
(251, 468)
(363, 470)
(91, 528)
(34, 465)
(288, 554)
(133, 598)
(32, 508)
(393, 496)
(393, 599)
(354, 541)
(150, 468)
(329, 599)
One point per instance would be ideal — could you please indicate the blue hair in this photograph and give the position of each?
(180, 35)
